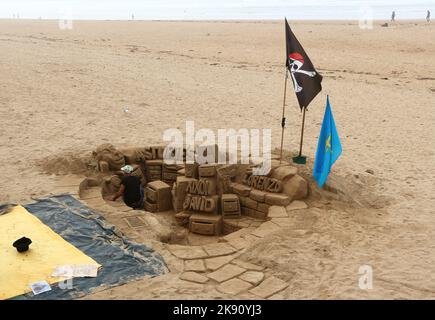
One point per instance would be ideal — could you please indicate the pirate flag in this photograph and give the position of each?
(306, 80)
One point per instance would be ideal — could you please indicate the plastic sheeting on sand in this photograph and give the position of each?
(122, 261)
(48, 250)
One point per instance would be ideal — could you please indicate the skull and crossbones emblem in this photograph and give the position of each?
(296, 61)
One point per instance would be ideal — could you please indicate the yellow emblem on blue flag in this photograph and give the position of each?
(328, 144)
(328, 147)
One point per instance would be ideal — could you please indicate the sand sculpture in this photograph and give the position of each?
(108, 158)
(157, 196)
(202, 197)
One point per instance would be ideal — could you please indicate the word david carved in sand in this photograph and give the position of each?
(199, 203)
(198, 197)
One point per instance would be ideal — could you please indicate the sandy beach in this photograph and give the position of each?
(64, 92)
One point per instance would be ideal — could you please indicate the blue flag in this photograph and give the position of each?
(328, 148)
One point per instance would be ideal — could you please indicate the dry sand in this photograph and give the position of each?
(63, 93)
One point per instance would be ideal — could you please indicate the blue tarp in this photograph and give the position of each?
(122, 260)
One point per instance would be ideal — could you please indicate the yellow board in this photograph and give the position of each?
(47, 251)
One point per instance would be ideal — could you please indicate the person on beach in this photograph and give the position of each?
(393, 16)
(131, 189)
(428, 16)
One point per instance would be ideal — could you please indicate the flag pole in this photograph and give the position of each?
(300, 159)
(302, 132)
(283, 114)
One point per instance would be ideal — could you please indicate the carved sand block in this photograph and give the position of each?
(169, 177)
(207, 204)
(207, 170)
(230, 206)
(254, 213)
(240, 189)
(182, 218)
(150, 207)
(253, 208)
(179, 192)
(248, 202)
(202, 187)
(154, 170)
(205, 224)
(263, 207)
(191, 170)
(158, 196)
(212, 185)
(264, 183)
(257, 195)
(175, 204)
(277, 199)
(170, 172)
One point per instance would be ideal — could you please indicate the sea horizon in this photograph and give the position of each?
(185, 10)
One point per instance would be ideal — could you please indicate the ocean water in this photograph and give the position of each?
(214, 9)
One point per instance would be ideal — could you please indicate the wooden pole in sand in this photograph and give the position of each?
(302, 132)
(283, 114)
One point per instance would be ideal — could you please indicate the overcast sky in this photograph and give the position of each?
(211, 9)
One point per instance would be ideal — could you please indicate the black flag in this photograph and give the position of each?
(307, 82)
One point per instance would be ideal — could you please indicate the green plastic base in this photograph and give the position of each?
(300, 159)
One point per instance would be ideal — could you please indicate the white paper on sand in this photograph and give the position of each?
(40, 287)
(76, 271)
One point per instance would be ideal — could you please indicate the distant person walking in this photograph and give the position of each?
(393, 16)
(428, 16)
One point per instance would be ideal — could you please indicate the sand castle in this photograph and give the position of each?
(207, 199)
